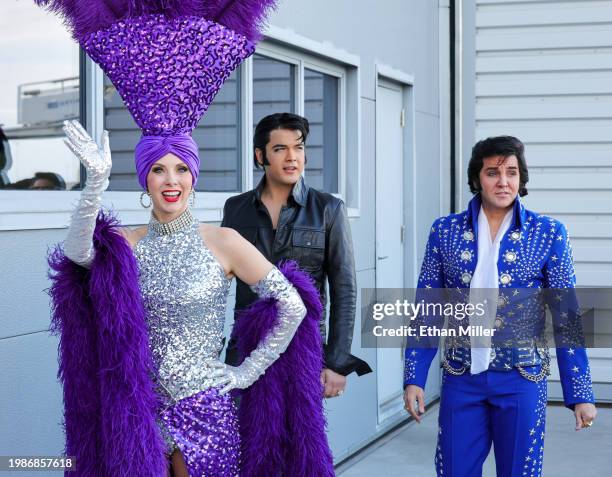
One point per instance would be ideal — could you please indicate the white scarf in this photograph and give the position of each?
(484, 286)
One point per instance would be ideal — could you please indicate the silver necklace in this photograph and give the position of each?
(180, 223)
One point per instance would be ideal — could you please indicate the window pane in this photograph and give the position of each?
(321, 110)
(217, 135)
(273, 92)
(40, 89)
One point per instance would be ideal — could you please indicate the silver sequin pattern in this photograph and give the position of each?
(185, 294)
(291, 311)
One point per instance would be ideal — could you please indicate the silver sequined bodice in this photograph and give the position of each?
(185, 294)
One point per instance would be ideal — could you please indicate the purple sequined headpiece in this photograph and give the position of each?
(167, 58)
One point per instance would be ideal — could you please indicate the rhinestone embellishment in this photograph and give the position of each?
(466, 255)
(468, 235)
(180, 223)
(516, 235)
(466, 277)
(167, 70)
(505, 278)
(510, 256)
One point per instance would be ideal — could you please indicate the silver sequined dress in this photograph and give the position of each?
(184, 290)
(185, 293)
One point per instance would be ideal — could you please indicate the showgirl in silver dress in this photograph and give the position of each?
(167, 61)
(184, 290)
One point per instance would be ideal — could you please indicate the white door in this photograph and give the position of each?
(389, 236)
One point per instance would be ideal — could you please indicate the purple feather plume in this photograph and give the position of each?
(70, 304)
(104, 361)
(246, 17)
(281, 416)
(243, 16)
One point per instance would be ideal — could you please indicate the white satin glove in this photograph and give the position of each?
(291, 312)
(78, 246)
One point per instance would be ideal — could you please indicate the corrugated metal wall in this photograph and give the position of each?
(544, 74)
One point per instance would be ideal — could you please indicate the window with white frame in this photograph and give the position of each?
(321, 97)
(289, 73)
(279, 83)
(274, 91)
(217, 135)
(288, 81)
(40, 89)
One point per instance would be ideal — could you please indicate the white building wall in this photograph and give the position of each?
(399, 34)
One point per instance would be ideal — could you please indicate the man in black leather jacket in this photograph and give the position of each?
(284, 218)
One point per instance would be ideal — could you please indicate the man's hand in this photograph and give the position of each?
(333, 383)
(585, 413)
(414, 393)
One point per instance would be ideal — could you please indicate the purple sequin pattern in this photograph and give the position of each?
(167, 71)
(205, 428)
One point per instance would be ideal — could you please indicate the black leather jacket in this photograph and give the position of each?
(313, 230)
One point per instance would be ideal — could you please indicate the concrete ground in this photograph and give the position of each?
(409, 451)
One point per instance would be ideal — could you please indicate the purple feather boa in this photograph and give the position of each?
(246, 17)
(104, 361)
(281, 416)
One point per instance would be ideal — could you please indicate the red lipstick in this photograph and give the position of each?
(171, 195)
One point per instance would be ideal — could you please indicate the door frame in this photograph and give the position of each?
(405, 83)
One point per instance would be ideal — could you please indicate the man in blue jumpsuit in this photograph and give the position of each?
(497, 394)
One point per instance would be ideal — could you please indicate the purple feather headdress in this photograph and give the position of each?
(245, 17)
(167, 58)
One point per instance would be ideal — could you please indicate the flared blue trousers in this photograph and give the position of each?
(494, 407)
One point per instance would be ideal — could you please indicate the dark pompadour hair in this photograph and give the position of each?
(504, 146)
(268, 124)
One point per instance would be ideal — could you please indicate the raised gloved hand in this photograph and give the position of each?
(78, 246)
(291, 311)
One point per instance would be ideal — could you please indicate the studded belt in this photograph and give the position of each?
(502, 359)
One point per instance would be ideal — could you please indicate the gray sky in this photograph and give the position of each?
(34, 46)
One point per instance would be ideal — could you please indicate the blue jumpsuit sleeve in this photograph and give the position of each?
(418, 354)
(560, 279)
